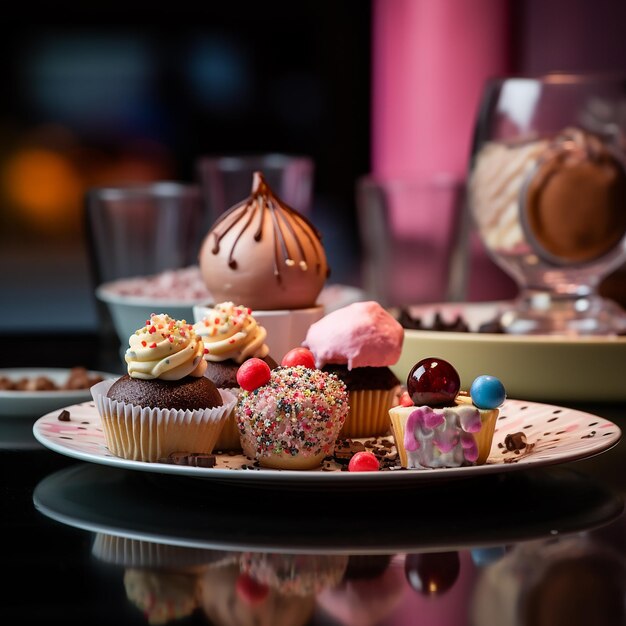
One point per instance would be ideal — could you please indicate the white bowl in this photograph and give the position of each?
(286, 328)
(130, 313)
(545, 368)
(21, 404)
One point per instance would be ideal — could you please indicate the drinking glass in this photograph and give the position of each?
(227, 180)
(412, 239)
(143, 229)
(140, 231)
(547, 192)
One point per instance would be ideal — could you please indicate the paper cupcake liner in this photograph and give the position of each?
(484, 437)
(148, 434)
(398, 423)
(229, 438)
(369, 413)
(137, 553)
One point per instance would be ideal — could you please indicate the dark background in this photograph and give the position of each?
(96, 96)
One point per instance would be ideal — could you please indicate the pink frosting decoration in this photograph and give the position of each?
(442, 438)
(362, 334)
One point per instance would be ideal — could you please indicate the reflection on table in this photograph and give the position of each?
(572, 580)
(179, 549)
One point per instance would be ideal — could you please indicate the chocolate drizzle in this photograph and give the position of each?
(285, 220)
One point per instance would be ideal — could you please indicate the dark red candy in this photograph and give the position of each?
(432, 573)
(433, 382)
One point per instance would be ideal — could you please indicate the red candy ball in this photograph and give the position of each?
(253, 373)
(432, 573)
(433, 382)
(364, 462)
(250, 591)
(299, 356)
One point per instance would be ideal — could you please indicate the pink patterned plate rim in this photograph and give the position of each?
(553, 434)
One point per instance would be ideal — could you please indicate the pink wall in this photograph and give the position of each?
(430, 60)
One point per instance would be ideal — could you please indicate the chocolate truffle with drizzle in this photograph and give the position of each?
(264, 254)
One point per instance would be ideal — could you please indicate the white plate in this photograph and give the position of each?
(556, 435)
(112, 502)
(34, 403)
(537, 367)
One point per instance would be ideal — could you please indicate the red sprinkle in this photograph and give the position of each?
(153, 345)
(152, 329)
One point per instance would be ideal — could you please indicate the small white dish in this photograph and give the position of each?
(555, 434)
(34, 403)
(546, 368)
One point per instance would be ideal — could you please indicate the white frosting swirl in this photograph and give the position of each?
(165, 348)
(230, 331)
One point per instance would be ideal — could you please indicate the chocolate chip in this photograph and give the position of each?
(515, 441)
(345, 449)
(202, 460)
(64, 416)
(193, 459)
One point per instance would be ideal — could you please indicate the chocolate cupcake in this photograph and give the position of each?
(358, 343)
(231, 335)
(163, 404)
(187, 394)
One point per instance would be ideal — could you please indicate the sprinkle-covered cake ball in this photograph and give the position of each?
(293, 420)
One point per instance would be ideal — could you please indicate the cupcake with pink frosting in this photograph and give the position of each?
(358, 343)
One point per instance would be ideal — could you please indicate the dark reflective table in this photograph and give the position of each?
(89, 544)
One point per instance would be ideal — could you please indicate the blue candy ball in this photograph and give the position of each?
(485, 556)
(487, 392)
